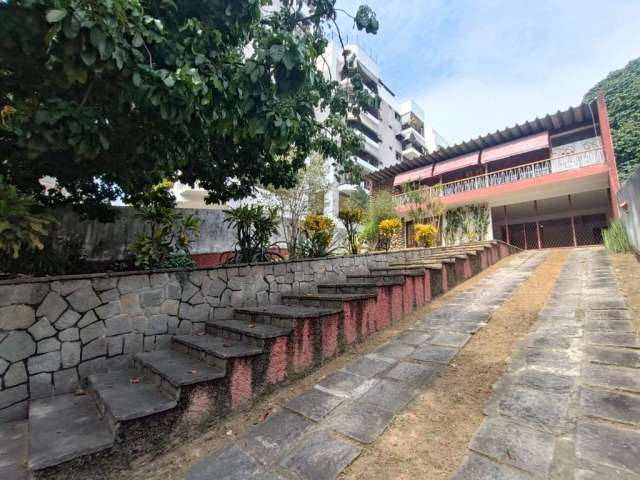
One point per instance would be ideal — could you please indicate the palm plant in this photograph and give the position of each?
(254, 225)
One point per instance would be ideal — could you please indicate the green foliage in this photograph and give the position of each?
(307, 196)
(387, 230)
(351, 218)
(621, 89)
(317, 231)
(615, 237)
(168, 233)
(254, 225)
(23, 222)
(423, 203)
(381, 207)
(359, 198)
(425, 234)
(110, 97)
(466, 224)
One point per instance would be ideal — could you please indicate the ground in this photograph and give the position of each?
(430, 439)
(173, 461)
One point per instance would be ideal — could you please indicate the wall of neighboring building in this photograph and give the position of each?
(629, 194)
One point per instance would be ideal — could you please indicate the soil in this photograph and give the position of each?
(174, 460)
(626, 267)
(429, 440)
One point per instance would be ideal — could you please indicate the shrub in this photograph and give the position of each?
(425, 234)
(388, 229)
(381, 207)
(23, 222)
(254, 225)
(168, 233)
(615, 237)
(318, 235)
(351, 218)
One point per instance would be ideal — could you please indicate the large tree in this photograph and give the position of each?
(110, 97)
(621, 89)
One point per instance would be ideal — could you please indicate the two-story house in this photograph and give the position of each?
(550, 182)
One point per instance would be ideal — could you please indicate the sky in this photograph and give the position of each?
(479, 66)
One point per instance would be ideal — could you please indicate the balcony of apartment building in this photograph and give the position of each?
(369, 155)
(535, 165)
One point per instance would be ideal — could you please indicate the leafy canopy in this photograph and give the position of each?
(621, 89)
(110, 97)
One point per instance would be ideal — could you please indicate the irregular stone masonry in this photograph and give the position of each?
(203, 374)
(318, 434)
(55, 332)
(569, 405)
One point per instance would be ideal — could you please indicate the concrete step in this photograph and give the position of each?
(283, 315)
(14, 441)
(374, 278)
(176, 368)
(405, 270)
(246, 331)
(214, 350)
(124, 395)
(63, 428)
(329, 300)
(356, 287)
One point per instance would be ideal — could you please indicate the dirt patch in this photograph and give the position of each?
(627, 270)
(173, 461)
(430, 439)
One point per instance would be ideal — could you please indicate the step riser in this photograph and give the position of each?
(199, 354)
(343, 289)
(233, 335)
(375, 278)
(265, 319)
(153, 377)
(112, 423)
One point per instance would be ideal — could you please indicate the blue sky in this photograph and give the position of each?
(478, 66)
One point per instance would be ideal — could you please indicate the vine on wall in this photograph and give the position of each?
(467, 224)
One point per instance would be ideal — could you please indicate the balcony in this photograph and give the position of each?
(555, 164)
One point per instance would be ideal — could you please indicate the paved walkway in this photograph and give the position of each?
(569, 405)
(318, 434)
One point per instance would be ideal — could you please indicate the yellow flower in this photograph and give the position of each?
(425, 234)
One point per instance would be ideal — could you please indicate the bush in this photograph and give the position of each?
(23, 223)
(255, 225)
(425, 234)
(388, 229)
(165, 243)
(381, 207)
(615, 238)
(351, 218)
(318, 235)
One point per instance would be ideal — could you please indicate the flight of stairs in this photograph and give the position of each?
(207, 375)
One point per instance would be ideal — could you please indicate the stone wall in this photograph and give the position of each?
(630, 194)
(54, 331)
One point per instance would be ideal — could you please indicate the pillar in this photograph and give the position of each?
(573, 222)
(506, 224)
(535, 207)
(609, 155)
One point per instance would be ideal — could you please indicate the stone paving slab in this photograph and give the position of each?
(358, 420)
(320, 456)
(280, 431)
(13, 450)
(572, 388)
(314, 404)
(322, 431)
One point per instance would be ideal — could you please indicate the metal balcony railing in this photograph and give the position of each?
(541, 168)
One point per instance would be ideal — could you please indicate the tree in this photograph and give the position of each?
(110, 97)
(306, 196)
(621, 89)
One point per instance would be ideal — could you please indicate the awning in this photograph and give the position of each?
(456, 163)
(413, 175)
(531, 143)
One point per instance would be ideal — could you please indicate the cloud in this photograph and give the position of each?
(478, 66)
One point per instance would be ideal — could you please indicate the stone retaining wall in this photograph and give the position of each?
(53, 331)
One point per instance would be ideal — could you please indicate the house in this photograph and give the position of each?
(550, 182)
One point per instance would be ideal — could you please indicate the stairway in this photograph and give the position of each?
(235, 360)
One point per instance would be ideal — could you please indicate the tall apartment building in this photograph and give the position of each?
(393, 133)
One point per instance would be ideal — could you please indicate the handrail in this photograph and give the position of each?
(514, 174)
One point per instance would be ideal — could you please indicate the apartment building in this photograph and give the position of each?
(394, 132)
(550, 182)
